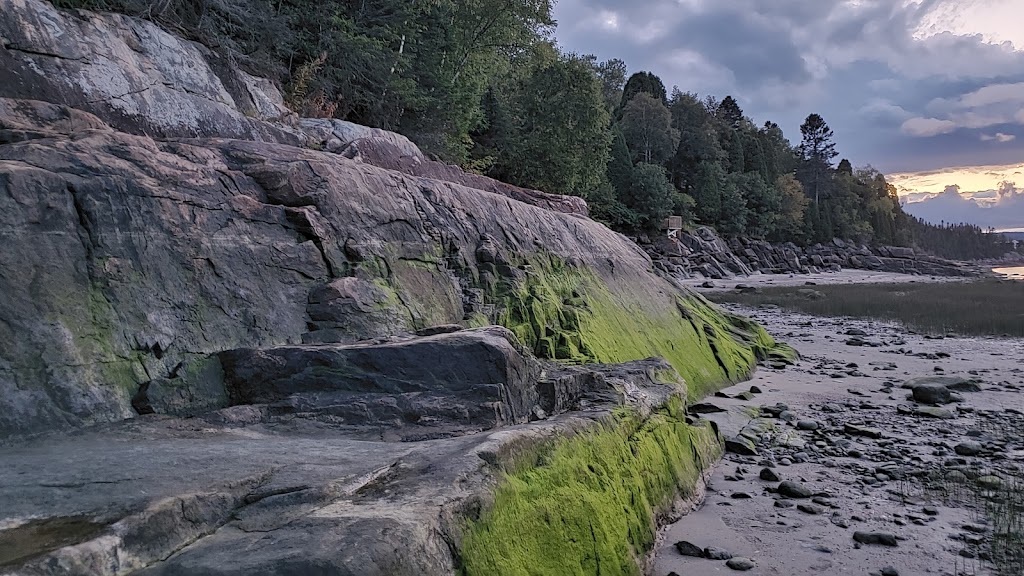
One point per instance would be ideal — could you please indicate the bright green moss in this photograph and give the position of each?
(570, 314)
(589, 504)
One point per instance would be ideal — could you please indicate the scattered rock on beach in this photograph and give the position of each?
(689, 549)
(877, 538)
(792, 489)
(932, 393)
(740, 564)
(969, 448)
(712, 553)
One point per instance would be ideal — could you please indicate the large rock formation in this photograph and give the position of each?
(280, 349)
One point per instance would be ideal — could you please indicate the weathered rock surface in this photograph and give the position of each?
(701, 253)
(133, 75)
(476, 378)
(131, 262)
(299, 495)
(272, 348)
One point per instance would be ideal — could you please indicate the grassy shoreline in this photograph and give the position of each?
(987, 307)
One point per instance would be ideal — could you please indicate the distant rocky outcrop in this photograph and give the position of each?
(701, 253)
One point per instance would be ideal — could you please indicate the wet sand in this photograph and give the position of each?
(854, 478)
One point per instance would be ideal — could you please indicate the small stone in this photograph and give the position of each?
(934, 412)
(890, 571)
(969, 448)
(989, 482)
(740, 564)
(839, 521)
(932, 393)
(755, 390)
(741, 496)
(712, 553)
(769, 475)
(740, 445)
(794, 490)
(689, 549)
(705, 408)
(879, 538)
(854, 430)
(812, 509)
(807, 425)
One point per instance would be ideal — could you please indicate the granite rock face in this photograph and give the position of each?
(474, 379)
(133, 75)
(139, 246)
(293, 347)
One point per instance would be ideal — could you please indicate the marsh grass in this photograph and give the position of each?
(984, 307)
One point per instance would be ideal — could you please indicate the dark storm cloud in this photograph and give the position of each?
(894, 100)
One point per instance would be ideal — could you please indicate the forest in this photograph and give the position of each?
(483, 84)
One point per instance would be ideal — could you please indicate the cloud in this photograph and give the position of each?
(905, 85)
(985, 196)
(925, 127)
(999, 209)
(998, 137)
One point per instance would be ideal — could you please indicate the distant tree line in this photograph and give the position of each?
(959, 241)
(481, 83)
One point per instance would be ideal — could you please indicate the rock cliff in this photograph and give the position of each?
(305, 340)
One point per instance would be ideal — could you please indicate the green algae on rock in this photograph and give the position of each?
(590, 503)
(569, 313)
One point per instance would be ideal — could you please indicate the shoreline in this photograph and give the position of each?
(845, 276)
(855, 479)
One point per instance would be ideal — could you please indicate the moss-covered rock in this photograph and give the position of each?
(569, 313)
(589, 503)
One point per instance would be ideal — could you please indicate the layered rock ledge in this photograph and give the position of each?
(233, 341)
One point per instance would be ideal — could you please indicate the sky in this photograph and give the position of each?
(908, 86)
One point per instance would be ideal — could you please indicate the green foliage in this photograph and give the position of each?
(643, 83)
(646, 125)
(588, 504)
(557, 139)
(789, 221)
(651, 196)
(762, 204)
(729, 112)
(707, 191)
(613, 78)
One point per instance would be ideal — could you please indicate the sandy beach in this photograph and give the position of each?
(852, 438)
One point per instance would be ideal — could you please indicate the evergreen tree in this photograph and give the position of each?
(643, 82)
(707, 192)
(729, 113)
(816, 153)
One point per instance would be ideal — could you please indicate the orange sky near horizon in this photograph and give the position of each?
(969, 179)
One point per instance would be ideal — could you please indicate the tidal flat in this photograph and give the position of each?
(892, 483)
